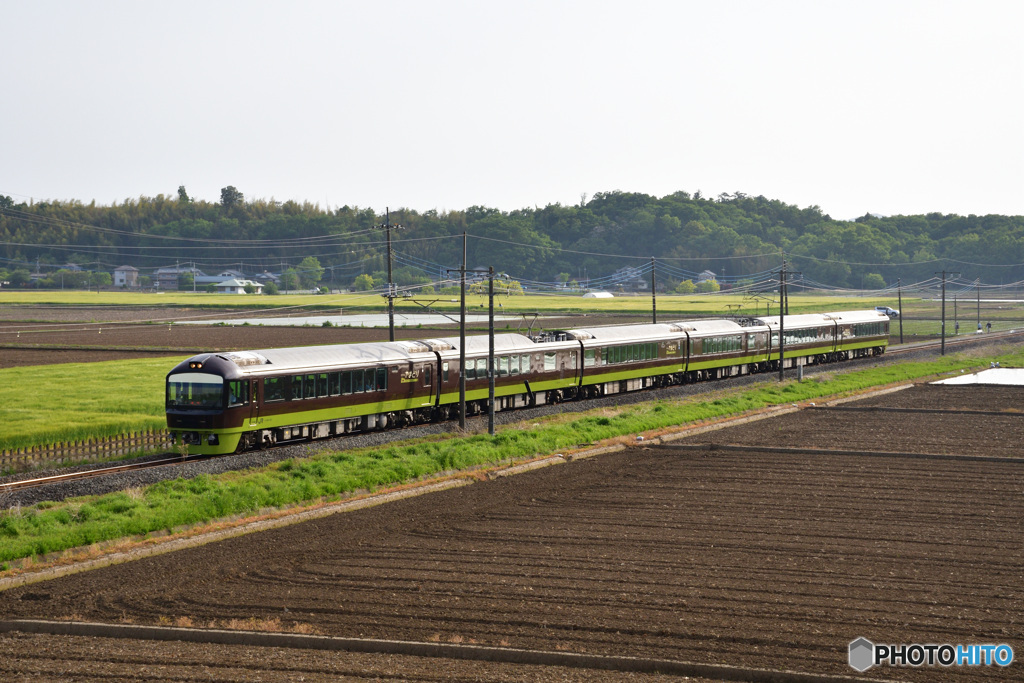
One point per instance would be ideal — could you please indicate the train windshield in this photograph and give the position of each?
(195, 390)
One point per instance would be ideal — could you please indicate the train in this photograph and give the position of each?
(226, 402)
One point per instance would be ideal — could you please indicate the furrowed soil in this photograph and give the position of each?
(775, 560)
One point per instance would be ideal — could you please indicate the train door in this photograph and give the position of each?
(254, 403)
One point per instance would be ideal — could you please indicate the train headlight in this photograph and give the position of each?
(212, 440)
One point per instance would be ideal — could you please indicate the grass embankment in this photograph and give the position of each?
(48, 404)
(55, 527)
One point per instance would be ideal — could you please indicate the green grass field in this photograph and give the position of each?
(56, 527)
(48, 404)
(689, 304)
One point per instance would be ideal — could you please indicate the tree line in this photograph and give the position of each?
(733, 235)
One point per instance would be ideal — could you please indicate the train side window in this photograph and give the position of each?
(588, 358)
(357, 381)
(513, 365)
(550, 363)
(370, 379)
(572, 359)
(346, 382)
(293, 390)
(238, 392)
(470, 368)
(334, 384)
(426, 375)
(444, 370)
(503, 366)
(382, 379)
(481, 368)
(273, 389)
(524, 362)
(321, 385)
(309, 386)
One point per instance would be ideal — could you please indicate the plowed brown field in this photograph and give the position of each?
(743, 557)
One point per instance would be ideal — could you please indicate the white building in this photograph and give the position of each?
(126, 276)
(237, 286)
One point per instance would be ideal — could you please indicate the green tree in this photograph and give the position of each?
(708, 286)
(363, 283)
(289, 280)
(230, 197)
(249, 288)
(183, 195)
(686, 287)
(271, 288)
(310, 272)
(874, 281)
(101, 279)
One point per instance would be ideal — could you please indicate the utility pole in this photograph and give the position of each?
(899, 300)
(977, 288)
(782, 320)
(462, 338)
(654, 292)
(783, 312)
(942, 346)
(386, 226)
(490, 351)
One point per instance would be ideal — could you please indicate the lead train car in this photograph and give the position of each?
(225, 402)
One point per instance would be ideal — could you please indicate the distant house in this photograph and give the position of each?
(236, 286)
(266, 276)
(224, 275)
(630, 278)
(167, 278)
(598, 295)
(126, 276)
(707, 275)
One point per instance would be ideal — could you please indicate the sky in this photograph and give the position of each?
(891, 107)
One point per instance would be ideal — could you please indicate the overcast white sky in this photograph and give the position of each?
(888, 107)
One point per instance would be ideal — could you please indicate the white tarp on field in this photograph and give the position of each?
(1009, 376)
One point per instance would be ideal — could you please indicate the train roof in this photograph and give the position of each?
(508, 342)
(819, 319)
(306, 357)
(616, 333)
(700, 327)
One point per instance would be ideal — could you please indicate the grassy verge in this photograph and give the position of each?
(48, 404)
(54, 527)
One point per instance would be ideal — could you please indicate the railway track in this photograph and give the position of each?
(398, 434)
(97, 472)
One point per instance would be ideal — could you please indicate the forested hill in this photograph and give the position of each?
(736, 236)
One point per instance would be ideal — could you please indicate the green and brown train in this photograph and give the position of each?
(226, 402)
